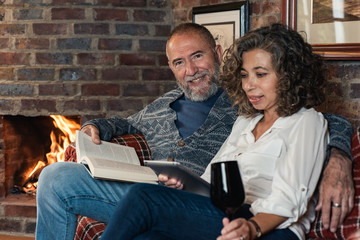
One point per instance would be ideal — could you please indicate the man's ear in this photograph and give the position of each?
(219, 52)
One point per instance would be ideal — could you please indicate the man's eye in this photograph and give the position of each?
(178, 64)
(197, 55)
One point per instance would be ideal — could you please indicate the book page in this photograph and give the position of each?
(106, 169)
(106, 150)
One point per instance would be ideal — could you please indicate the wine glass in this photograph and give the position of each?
(227, 191)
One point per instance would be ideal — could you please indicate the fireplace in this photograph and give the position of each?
(25, 142)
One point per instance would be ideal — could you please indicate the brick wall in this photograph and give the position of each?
(94, 58)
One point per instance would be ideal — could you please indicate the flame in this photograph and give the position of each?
(57, 149)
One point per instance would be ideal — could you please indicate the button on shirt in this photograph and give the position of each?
(281, 169)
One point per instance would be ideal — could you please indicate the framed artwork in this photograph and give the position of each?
(226, 21)
(331, 27)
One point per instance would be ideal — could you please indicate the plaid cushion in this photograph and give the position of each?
(89, 229)
(352, 221)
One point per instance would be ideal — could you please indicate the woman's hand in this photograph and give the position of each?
(237, 229)
(170, 182)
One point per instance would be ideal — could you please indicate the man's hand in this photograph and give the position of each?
(336, 190)
(170, 182)
(93, 132)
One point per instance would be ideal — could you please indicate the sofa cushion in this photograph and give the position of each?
(351, 223)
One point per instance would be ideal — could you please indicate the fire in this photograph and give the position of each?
(57, 149)
(58, 145)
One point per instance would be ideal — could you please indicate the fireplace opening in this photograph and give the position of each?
(28, 142)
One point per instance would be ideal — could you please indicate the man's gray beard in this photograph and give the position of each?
(214, 86)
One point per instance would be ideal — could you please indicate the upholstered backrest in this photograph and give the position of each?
(352, 221)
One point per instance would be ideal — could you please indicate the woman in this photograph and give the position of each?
(278, 140)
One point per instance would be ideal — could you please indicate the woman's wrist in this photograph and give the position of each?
(255, 229)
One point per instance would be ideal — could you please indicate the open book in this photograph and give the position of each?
(112, 161)
(117, 162)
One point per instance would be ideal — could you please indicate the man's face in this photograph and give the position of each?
(195, 65)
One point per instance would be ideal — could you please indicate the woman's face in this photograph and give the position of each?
(259, 80)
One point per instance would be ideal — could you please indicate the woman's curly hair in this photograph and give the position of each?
(300, 72)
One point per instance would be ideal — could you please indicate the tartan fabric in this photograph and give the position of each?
(89, 229)
(352, 221)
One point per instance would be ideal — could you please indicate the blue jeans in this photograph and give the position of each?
(65, 190)
(157, 212)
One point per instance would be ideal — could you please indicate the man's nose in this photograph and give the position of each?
(191, 68)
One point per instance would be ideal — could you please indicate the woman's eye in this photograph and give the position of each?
(261, 74)
(243, 75)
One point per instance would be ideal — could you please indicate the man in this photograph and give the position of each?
(188, 125)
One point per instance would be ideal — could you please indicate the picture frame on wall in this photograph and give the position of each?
(226, 22)
(330, 28)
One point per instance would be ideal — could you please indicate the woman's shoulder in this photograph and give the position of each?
(307, 116)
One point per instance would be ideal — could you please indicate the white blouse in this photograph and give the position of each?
(281, 169)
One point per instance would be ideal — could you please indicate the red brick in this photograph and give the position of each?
(137, 59)
(82, 105)
(50, 28)
(32, 43)
(100, 90)
(115, 44)
(162, 30)
(20, 211)
(57, 90)
(123, 3)
(38, 105)
(67, 13)
(90, 28)
(12, 29)
(141, 90)
(149, 16)
(14, 58)
(96, 59)
(158, 74)
(124, 104)
(53, 58)
(163, 60)
(6, 73)
(120, 74)
(111, 14)
(4, 43)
